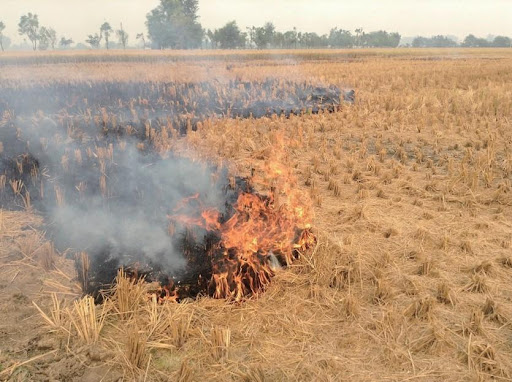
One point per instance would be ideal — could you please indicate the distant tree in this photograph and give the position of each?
(381, 39)
(312, 40)
(229, 36)
(29, 26)
(278, 41)
(420, 42)
(94, 40)
(359, 35)
(2, 28)
(393, 39)
(122, 36)
(251, 31)
(259, 38)
(65, 42)
(47, 38)
(44, 40)
(173, 24)
(325, 40)
(498, 42)
(475, 42)
(340, 38)
(140, 36)
(270, 31)
(290, 39)
(264, 36)
(433, 42)
(52, 37)
(191, 9)
(106, 30)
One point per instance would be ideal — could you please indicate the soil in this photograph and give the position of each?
(25, 339)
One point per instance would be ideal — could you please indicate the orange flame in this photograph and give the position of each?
(262, 228)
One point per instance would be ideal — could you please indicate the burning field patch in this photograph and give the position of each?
(141, 108)
(99, 165)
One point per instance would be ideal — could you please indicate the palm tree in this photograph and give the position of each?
(105, 30)
(122, 36)
(359, 33)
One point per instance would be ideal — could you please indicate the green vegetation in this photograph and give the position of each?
(174, 24)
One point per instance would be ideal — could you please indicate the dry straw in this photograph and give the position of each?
(88, 319)
(412, 196)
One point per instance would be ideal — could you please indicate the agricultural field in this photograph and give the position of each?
(243, 217)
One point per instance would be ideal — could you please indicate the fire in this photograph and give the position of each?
(260, 230)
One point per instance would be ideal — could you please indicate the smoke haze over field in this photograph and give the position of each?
(76, 18)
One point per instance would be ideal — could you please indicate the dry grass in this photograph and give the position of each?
(88, 319)
(128, 295)
(411, 275)
(56, 317)
(220, 340)
(136, 353)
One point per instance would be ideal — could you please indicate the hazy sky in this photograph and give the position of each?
(77, 18)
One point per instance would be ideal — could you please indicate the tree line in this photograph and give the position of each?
(231, 37)
(174, 24)
(44, 38)
(470, 42)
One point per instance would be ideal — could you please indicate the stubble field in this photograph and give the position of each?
(411, 189)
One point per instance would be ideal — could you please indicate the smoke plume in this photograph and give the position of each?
(92, 159)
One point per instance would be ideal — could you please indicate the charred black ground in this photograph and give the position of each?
(85, 155)
(200, 249)
(135, 104)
